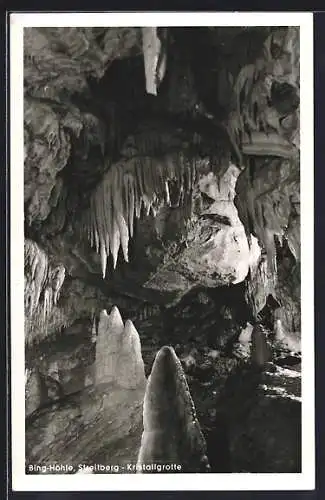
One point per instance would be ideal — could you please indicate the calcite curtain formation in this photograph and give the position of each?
(141, 184)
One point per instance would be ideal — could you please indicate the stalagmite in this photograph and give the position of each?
(130, 369)
(172, 434)
(118, 352)
(261, 351)
(110, 329)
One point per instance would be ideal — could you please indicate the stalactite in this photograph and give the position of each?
(126, 188)
(36, 269)
(94, 329)
(43, 284)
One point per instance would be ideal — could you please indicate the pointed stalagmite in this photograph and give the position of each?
(130, 370)
(261, 351)
(108, 345)
(172, 433)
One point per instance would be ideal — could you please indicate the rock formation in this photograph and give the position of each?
(172, 434)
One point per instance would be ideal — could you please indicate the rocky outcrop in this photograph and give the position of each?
(172, 436)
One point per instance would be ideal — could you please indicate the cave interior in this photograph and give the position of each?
(162, 247)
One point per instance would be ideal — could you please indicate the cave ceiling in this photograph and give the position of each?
(151, 170)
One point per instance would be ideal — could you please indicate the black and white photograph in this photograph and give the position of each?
(160, 290)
